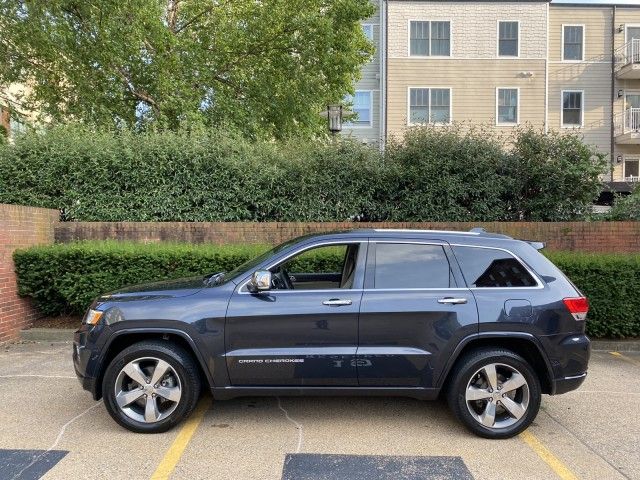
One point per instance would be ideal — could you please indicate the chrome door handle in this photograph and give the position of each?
(336, 302)
(452, 301)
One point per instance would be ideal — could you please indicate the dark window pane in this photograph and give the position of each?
(572, 108)
(440, 101)
(508, 39)
(631, 168)
(507, 105)
(440, 39)
(573, 42)
(484, 267)
(419, 38)
(411, 266)
(419, 105)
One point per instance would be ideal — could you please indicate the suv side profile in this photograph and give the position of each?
(482, 318)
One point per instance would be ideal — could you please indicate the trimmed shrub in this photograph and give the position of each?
(434, 174)
(67, 277)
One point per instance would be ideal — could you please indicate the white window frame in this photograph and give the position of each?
(624, 164)
(429, 87)
(498, 123)
(562, 92)
(372, 27)
(430, 21)
(352, 126)
(584, 41)
(501, 20)
(626, 27)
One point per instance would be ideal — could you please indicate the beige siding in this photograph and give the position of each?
(473, 86)
(474, 26)
(598, 26)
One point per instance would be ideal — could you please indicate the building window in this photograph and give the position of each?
(429, 39)
(429, 105)
(367, 29)
(361, 106)
(507, 106)
(573, 42)
(572, 108)
(632, 169)
(508, 33)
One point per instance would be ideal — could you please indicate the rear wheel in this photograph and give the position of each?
(494, 392)
(151, 386)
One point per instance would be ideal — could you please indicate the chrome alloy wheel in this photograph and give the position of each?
(497, 395)
(148, 390)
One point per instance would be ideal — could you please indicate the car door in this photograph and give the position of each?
(306, 336)
(415, 309)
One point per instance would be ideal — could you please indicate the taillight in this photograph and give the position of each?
(577, 306)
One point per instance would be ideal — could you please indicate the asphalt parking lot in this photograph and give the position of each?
(52, 429)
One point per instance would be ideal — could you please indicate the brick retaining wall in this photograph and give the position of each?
(582, 236)
(19, 227)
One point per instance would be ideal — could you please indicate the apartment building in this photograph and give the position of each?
(557, 66)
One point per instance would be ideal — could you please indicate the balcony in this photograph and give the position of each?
(626, 127)
(628, 60)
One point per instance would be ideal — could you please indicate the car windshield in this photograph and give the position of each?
(253, 263)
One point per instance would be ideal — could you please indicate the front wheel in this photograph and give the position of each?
(495, 393)
(151, 386)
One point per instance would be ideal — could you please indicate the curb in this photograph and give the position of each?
(47, 334)
(632, 345)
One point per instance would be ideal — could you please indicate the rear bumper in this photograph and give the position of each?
(570, 360)
(566, 384)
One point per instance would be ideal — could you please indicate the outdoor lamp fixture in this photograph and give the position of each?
(334, 118)
(619, 159)
(620, 93)
(621, 28)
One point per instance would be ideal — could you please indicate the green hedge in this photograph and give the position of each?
(65, 278)
(434, 174)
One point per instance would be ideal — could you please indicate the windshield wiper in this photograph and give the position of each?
(213, 279)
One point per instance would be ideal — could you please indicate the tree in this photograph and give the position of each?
(265, 66)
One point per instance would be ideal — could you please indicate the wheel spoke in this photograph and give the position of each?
(488, 416)
(125, 398)
(475, 393)
(151, 412)
(160, 370)
(172, 393)
(515, 409)
(135, 373)
(491, 375)
(516, 381)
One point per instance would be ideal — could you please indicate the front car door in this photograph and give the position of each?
(415, 309)
(304, 331)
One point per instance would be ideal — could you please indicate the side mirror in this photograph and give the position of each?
(260, 281)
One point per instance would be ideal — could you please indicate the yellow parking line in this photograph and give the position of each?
(545, 454)
(625, 358)
(172, 457)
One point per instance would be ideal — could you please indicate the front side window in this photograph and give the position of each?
(429, 38)
(429, 105)
(572, 109)
(320, 268)
(361, 106)
(508, 39)
(507, 106)
(491, 268)
(573, 42)
(405, 265)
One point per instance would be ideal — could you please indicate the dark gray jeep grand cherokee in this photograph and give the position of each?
(482, 318)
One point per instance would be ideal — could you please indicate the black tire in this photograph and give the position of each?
(182, 364)
(465, 371)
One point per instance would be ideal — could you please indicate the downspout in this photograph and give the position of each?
(383, 73)
(613, 90)
(546, 80)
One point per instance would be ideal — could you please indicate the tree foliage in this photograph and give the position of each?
(267, 67)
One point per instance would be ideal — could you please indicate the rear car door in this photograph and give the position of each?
(415, 309)
(304, 331)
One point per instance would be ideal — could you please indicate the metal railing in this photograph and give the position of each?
(628, 53)
(627, 121)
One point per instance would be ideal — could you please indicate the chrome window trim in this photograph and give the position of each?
(539, 284)
(240, 291)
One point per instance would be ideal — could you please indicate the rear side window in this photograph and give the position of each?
(406, 265)
(485, 267)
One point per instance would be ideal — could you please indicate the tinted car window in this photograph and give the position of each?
(485, 267)
(411, 266)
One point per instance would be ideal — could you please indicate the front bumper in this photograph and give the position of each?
(87, 348)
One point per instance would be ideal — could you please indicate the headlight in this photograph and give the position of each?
(92, 317)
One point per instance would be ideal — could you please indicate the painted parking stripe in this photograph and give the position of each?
(625, 358)
(172, 457)
(312, 466)
(545, 454)
(28, 464)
